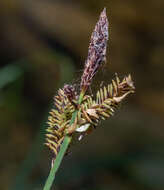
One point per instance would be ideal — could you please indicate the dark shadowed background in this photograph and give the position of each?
(43, 44)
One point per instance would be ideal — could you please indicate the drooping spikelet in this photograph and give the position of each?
(107, 100)
(58, 121)
(96, 51)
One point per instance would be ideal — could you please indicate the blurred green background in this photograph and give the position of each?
(43, 44)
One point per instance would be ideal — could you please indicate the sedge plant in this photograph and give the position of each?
(76, 113)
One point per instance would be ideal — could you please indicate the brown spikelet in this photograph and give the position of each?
(107, 100)
(109, 97)
(58, 121)
(96, 52)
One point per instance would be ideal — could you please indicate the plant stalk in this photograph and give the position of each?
(62, 151)
(57, 163)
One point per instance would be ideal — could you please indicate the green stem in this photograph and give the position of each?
(57, 163)
(81, 97)
(62, 151)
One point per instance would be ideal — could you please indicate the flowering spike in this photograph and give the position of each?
(76, 115)
(96, 51)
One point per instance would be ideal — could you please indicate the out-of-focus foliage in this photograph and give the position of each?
(9, 74)
(42, 46)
